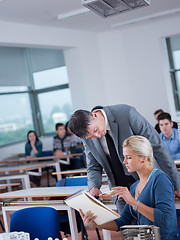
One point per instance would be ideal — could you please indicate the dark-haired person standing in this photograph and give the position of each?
(120, 121)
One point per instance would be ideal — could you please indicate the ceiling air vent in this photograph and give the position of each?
(107, 8)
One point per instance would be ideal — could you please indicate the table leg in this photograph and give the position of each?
(27, 185)
(8, 181)
(73, 224)
(6, 218)
(26, 181)
(106, 234)
(58, 169)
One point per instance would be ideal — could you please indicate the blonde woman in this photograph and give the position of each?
(150, 199)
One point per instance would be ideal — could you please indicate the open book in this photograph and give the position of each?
(84, 201)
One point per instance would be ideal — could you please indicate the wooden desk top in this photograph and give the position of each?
(177, 162)
(26, 166)
(83, 170)
(43, 192)
(48, 192)
(40, 158)
(5, 185)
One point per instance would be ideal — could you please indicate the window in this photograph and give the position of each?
(50, 78)
(55, 107)
(15, 117)
(45, 98)
(173, 49)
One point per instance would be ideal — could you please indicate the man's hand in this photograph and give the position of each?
(177, 193)
(59, 153)
(95, 192)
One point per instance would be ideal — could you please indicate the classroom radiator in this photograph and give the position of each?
(140, 232)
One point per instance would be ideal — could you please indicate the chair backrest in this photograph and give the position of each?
(74, 181)
(47, 153)
(39, 222)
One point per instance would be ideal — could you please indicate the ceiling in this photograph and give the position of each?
(45, 13)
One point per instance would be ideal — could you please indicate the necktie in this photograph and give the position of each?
(116, 166)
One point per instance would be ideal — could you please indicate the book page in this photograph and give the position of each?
(86, 202)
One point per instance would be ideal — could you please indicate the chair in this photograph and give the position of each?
(75, 181)
(39, 222)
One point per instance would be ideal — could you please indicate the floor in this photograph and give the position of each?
(92, 235)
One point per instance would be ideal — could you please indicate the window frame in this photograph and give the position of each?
(33, 101)
(172, 72)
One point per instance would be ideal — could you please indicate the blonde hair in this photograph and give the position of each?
(141, 146)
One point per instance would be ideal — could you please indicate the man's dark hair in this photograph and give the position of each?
(163, 116)
(79, 123)
(158, 111)
(58, 125)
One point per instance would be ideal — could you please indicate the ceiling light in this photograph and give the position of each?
(72, 13)
(107, 8)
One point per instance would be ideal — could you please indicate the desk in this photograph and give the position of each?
(43, 192)
(25, 168)
(47, 192)
(177, 162)
(6, 210)
(82, 170)
(40, 158)
(5, 185)
(52, 192)
(56, 161)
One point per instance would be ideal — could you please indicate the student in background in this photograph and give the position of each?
(64, 144)
(150, 199)
(169, 135)
(156, 114)
(33, 148)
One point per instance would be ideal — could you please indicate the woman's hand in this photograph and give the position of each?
(124, 193)
(88, 219)
(32, 141)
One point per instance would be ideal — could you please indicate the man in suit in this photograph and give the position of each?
(121, 121)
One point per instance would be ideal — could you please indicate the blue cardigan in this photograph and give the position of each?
(158, 193)
(28, 148)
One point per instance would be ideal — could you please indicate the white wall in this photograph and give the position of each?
(127, 65)
(81, 56)
(134, 66)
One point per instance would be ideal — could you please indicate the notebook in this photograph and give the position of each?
(86, 202)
